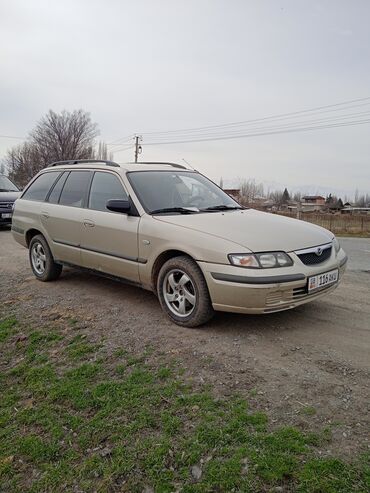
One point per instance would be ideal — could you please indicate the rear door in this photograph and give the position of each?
(109, 239)
(63, 212)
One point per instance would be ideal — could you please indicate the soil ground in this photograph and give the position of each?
(308, 367)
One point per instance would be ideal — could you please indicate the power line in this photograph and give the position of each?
(257, 134)
(124, 149)
(278, 116)
(121, 140)
(249, 126)
(288, 125)
(11, 137)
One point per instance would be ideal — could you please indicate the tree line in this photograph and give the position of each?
(252, 191)
(56, 137)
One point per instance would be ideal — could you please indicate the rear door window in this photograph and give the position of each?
(58, 187)
(41, 186)
(75, 189)
(104, 187)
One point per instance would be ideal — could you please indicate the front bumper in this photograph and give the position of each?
(239, 290)
(4, 219)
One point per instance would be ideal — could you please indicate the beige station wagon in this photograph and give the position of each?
(173, 231)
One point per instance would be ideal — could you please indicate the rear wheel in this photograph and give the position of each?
(183, 292)
(42, 261)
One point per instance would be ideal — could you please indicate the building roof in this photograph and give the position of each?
(313, 197)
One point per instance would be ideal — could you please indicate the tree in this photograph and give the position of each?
(23, 162)
(56, 137)
(277, 197)
(102, 152)
(286, 197)
(67, 135)
(221, 182)
(250, 190)
(297, 196)
(329, 199)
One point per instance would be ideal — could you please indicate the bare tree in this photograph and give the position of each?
(297, 196)
(102, 152)
(67, 135)
(23, 162)
(250, 190)
(277, 197)
(56, 137)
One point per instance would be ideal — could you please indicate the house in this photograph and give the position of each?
(312, 203)
(313, 199)
(355, 210)
(233, 192)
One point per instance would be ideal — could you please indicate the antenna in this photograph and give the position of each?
(187, 162)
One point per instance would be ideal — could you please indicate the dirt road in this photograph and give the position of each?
(307, 367)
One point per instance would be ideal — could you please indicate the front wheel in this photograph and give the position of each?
(183, 292)
(42, 261)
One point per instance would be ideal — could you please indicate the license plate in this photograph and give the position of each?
(321, 280)
(5, 216)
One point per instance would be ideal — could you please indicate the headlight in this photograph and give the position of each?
(266, 260)
(336, 244)
(244, 260)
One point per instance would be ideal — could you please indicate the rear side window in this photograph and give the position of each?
(55, 193)
(75, 189)
(104, 187)
(41, 186)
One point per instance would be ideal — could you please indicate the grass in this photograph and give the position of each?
(73, 419)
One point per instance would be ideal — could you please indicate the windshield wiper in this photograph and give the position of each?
(180, 210)
(223, 207)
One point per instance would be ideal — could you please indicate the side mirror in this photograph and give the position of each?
(115, 205)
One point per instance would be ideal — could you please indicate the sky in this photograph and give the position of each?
(143, 66)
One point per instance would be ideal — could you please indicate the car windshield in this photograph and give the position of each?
(6, 185)
(179, 192)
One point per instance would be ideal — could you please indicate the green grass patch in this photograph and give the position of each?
(73, 420)
(79, 347)
(7, 328)
(308, 410)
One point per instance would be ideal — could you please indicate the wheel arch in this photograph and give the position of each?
(161, 260)
(31, 233)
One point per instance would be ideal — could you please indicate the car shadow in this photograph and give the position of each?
(92, 285)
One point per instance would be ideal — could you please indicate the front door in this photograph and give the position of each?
(109, 239)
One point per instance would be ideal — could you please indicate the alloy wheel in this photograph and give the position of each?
(179, 293)
(38, 258)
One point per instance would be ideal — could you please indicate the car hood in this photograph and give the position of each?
(9, 196)
(258, 231)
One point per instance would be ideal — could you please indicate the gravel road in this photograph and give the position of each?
(315, 357)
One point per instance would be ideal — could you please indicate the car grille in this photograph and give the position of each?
(315, 255)
(281, 300)
(303, 293)
(6, 205)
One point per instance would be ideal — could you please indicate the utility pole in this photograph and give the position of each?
(138, 147)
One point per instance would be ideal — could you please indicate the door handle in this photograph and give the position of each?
(88, 224)
(45, 215)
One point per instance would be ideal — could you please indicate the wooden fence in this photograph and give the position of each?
(343, 223)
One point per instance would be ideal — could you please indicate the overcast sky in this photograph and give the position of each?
(143, 66)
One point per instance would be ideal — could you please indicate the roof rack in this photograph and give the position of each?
(84, 161)
(174, 165)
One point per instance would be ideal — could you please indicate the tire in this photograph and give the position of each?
(183, 292)
(42, 261)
